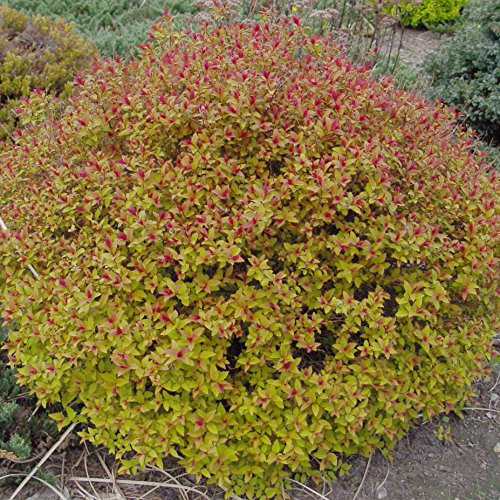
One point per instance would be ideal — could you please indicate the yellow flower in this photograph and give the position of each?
(294, 9)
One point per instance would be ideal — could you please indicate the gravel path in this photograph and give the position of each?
(416, 45)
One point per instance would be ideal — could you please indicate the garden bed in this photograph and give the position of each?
(423, 466)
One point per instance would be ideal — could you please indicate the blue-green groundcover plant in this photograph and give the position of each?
(116, 27)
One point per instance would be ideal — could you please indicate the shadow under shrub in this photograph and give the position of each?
(35, 52)
(253, 256)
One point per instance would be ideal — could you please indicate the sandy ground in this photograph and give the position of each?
(416, 45)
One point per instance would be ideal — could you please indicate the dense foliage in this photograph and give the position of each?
(429, 12)
(466, 69)
(252, 255)
(35, 52)
(116, 27)
(11, 444)
(18, 432)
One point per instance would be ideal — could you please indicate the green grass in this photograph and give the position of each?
(116, 27)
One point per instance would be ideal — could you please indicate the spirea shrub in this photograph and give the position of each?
(19, 435)
(11, 444)
(253, 257)
(35, 52)
(428, 12)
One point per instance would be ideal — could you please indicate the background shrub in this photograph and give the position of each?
(429, 12)
(116, 27)
(35, 52)
(466, 69)
(272, 260)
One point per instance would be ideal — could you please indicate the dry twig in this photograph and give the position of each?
(131, 482)
(386, 476)
(42, 461)
(87, 470)
(364, 477)
(172, 479)
(3, 227)
(116, 488)
(481, 409)
(19, 474)
(310, 490)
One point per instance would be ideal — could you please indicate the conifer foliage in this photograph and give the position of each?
(116, 27)
(252, 255)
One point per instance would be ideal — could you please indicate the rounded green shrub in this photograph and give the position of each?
(35, 52)
(253, 257)
(428, 12)
(465, 71)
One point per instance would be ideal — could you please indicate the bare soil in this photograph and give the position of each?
(416, 45)
(425, 467)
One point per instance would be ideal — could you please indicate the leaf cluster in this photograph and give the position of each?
(35, 52)
(429, 13)
(10, 443)
(253, 256)
(17, 432)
